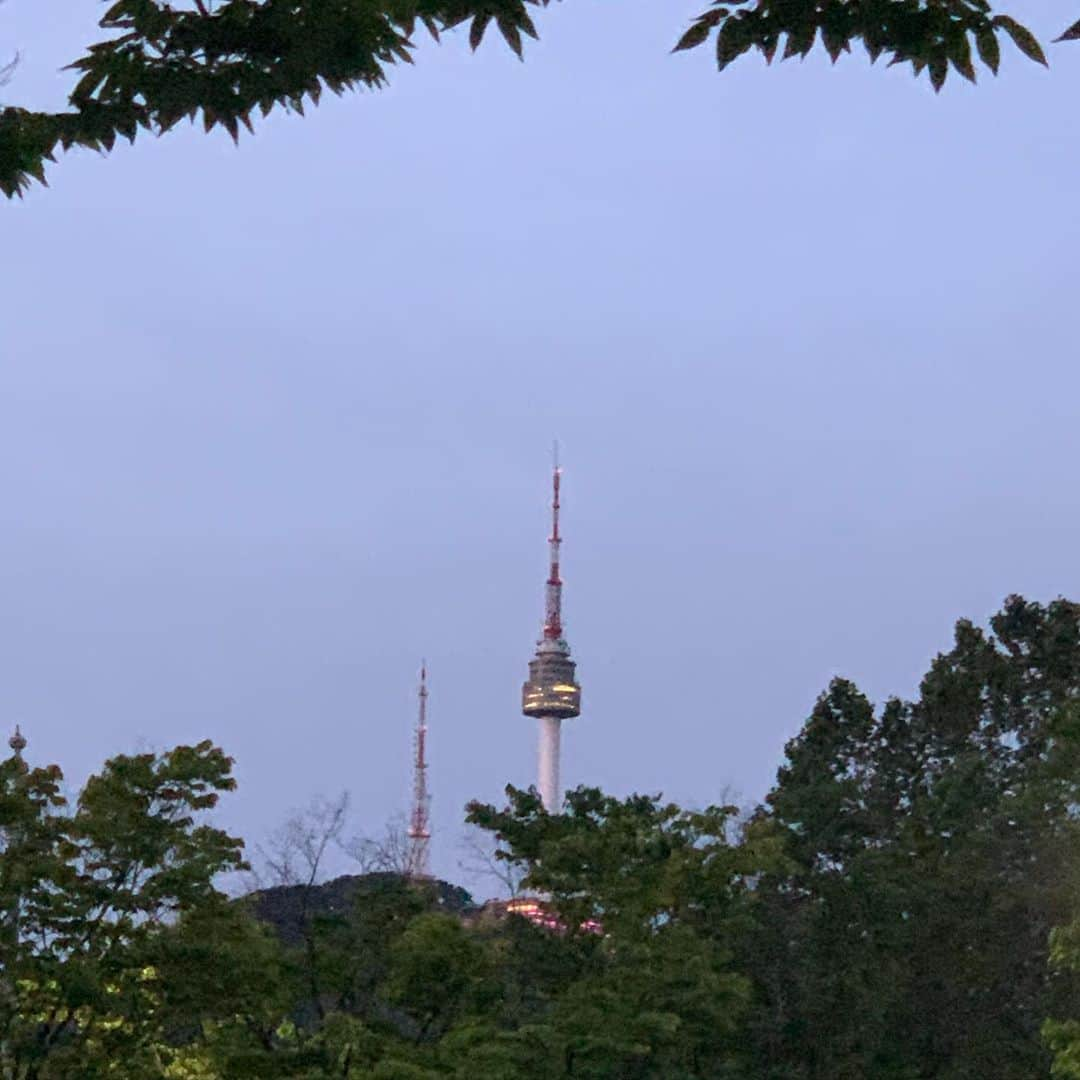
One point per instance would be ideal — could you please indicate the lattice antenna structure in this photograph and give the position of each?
(420, 816)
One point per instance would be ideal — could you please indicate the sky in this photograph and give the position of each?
(276, 420)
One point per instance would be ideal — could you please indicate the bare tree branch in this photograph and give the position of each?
(480, 859)
(295, 853)
(390, 852)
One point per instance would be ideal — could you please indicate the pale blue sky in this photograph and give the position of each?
(275, 421)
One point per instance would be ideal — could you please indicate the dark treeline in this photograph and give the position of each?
(901, 907)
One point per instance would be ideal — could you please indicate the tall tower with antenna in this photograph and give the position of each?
(551, 693)
(17, 742)
(420, 817)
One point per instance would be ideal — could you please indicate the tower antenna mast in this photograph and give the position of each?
(553, 607)
(420, 817)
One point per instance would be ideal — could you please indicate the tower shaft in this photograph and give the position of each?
(420, 817)
(548, 762)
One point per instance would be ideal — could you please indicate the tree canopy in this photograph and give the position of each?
(84, 893)
(903, 904)
(221, 62)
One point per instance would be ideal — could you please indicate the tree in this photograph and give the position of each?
(390, 852)
(161, 63)
(885, 915)
(323, 1007)
(480, 858)
(295, 853)
(436, 967)
(352, 950)
(224, 987)
(931, 847)
(651, 899)
(85, 898)
(1063, 1036)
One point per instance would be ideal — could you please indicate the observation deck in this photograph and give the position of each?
(552, 688)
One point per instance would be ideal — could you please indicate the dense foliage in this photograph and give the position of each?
(223, 60)
(887, 914)
(934, 846)
(84, 895)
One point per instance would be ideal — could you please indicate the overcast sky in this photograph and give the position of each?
(275, 421)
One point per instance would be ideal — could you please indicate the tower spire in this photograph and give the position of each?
(551, 693)
(420, 818)
(553, 606)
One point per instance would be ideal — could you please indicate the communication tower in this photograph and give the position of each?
(551, 693)
(420, 818)
(17, 742)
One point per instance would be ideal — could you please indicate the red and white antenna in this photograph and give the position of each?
(553, 605)
(420, 818)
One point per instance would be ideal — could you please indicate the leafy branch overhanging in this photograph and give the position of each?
(225, 60)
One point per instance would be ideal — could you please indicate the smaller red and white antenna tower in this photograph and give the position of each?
(420, 818)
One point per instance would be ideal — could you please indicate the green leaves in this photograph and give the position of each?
(631, 864)
(649, 898)
(220, 64)
(435, 967)
(164, 64)
(1072, 34)
(930, 35)
(932, 845)
(989, 50)
(1022, 38)
(510, 16)
(84, 897)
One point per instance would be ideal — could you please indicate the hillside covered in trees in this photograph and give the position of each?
(902, 905)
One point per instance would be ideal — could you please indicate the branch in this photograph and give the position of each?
(303, 839)
(389, 853)
(7, 70)
(164, 65)
(930, 35)
(481, 858)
